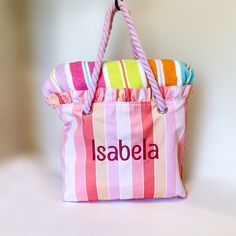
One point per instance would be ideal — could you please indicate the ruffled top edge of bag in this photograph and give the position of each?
(110, 95)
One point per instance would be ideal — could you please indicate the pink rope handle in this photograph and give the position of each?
(137, 49)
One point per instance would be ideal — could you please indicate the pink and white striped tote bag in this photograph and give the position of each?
(124, 123)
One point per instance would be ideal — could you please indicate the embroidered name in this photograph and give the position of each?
(124, 152)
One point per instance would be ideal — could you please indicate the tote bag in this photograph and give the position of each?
(124, 123)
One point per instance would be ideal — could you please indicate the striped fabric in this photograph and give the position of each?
(117, 74)
(125, 149)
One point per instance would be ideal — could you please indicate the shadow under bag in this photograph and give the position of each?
(124, 123)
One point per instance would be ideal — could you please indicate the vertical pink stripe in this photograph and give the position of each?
(80, 180)
(78, 76)
(147, 122)
(101, 81)
(137, 139)
(186, 127)
(66, 128)
(182, 138)
(180, 154)
(90, 168)
(111, 140)
(70, 153)
(171, 150)
(181, 129)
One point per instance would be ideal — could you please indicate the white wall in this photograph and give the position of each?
(202, 33)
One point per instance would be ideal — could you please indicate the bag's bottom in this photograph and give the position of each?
(125, 199)
(179, 194)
